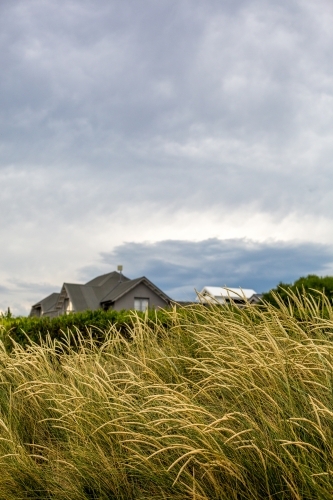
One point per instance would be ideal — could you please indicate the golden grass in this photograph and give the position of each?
(225, 404)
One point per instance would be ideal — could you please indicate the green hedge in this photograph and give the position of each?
(95, 323)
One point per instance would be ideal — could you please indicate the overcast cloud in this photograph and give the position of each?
(131, 130)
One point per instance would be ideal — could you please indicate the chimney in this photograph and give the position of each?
(120, 268)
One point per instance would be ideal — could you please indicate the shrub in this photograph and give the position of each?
(312, 285)
(93, 323)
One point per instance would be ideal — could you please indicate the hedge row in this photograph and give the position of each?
(23, 329)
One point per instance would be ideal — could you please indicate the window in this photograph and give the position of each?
(141, 304)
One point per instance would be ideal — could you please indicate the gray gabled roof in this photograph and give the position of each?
(124, 287)
(89, 296)
(107, 279)
(46, 304)
(83, 297)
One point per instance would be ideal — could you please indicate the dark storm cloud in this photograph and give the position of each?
(180, 266)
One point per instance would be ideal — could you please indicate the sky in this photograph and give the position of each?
(189, 141)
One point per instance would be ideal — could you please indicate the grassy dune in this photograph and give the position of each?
(225, 404)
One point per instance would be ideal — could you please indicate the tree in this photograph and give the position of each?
(310, 284)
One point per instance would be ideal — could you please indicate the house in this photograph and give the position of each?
(225, 295)
(44, 305)
(109, 291)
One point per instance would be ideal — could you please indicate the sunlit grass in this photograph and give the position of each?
(224, 404)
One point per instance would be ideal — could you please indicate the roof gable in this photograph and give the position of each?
(82, 297)
(123, 288)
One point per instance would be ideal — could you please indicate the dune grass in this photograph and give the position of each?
(224, 404)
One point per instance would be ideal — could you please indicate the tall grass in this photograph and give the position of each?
(224, 404)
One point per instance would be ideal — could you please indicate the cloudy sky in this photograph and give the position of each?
(189, 140)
